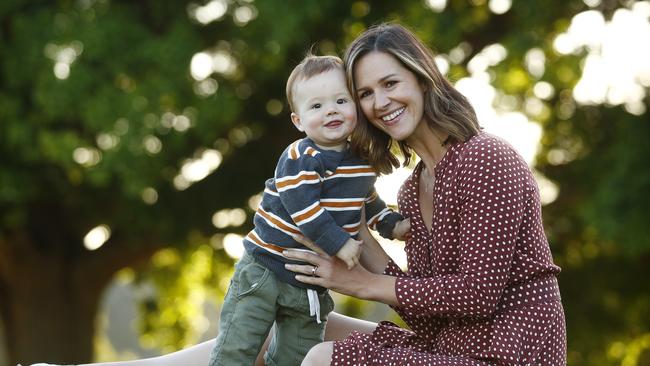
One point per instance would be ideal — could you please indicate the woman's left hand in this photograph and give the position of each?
(329, 272)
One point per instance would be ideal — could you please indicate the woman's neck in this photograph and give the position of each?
(428, 144)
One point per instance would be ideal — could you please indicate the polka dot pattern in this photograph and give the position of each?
(481, 286)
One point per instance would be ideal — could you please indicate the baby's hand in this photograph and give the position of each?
(402, 230)
(350, 252)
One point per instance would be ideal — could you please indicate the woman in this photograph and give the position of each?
(480, 287)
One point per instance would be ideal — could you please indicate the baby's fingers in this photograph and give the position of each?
(356, 260)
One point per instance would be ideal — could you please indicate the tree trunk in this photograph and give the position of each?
(47, 306)
(49, 299)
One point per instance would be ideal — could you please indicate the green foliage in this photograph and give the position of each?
(184, 282)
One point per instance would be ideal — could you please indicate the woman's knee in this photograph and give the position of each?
(319, 355)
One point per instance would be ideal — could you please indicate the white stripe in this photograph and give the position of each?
(286, 188)
(305, 209)
(356, 200)
(353, 167)
(300, 174)
(283, 221)
(301, 182)
(253, 233)
(352, 225)
(311, 218)
(343, 175)
(308, 219)
(272, 224)
(384, 215)
(371, 198)
(353, 233)
(341, 208)
(385, 212)
(270, 192)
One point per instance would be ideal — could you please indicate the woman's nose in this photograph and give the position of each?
(381, 101)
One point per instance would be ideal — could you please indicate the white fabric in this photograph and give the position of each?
(314, 304)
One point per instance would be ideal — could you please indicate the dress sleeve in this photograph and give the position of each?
(492, 186)
(299, 183)
(392, 269)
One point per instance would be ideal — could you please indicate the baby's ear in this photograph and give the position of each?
(296, 122)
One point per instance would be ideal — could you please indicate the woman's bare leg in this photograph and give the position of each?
(319, 355)
(338, 327)
(197, 355)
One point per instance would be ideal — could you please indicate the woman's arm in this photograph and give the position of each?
(373, 256)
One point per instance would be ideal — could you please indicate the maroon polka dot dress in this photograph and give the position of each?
(480, 287)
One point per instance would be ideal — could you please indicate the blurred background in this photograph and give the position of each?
(135, 137)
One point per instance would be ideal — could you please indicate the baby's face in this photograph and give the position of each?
(325, 110)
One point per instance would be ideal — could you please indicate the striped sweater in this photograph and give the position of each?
(319, 194)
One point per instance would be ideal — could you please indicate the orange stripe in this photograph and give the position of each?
(374, 221)
(341, 204)
(355, 170)
(277, 222)
(292, 151)
(265, 245)
(296, 180)
(351, 229)
(307, 214)
(372, 196)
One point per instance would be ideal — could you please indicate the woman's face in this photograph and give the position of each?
(390, 95)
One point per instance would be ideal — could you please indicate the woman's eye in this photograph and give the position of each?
(390, 83)
(364, 94)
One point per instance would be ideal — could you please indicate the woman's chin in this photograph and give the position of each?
(397, 135)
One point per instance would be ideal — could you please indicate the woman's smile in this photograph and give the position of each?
(391, 118)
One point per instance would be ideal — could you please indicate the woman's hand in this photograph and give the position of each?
(332, 273)
(319, 273)
(329, 272)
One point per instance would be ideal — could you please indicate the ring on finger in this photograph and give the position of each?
(313, 271)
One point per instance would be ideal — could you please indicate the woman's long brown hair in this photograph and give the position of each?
(445, 108)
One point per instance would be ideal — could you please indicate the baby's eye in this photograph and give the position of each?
(341, 101)
(316, 106)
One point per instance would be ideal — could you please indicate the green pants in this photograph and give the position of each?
(255, 300)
